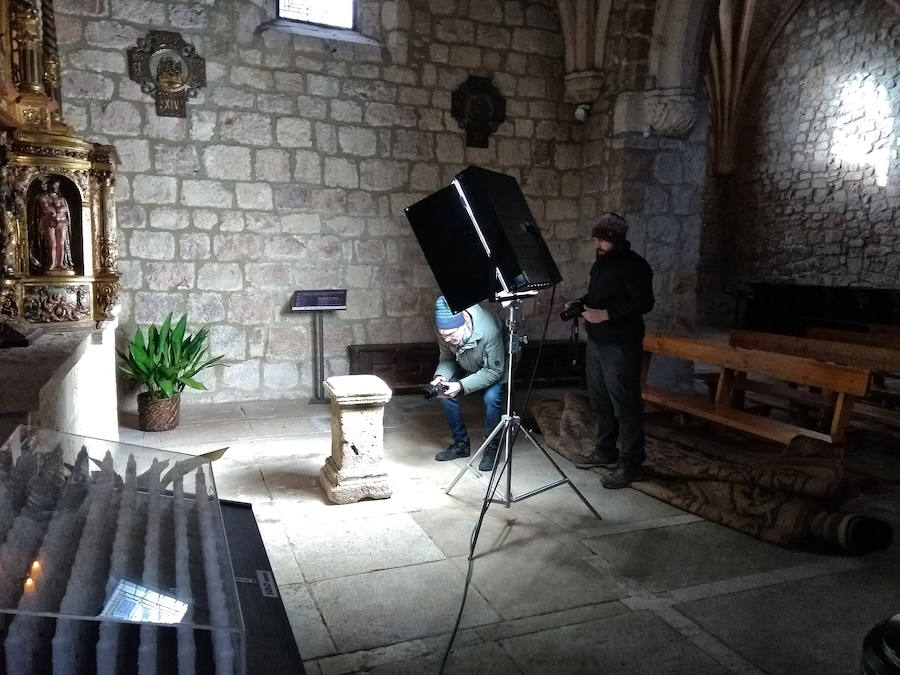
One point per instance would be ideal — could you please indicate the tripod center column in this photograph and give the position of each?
(355, 469)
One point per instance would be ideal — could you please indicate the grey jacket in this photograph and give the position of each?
(483, 355)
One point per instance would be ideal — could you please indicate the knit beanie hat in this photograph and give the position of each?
(444, 319)
(611, 227)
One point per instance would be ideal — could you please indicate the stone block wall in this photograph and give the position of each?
(293, 166)
(816, 197)
(654, 181)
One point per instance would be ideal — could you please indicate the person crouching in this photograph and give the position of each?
(472, 358)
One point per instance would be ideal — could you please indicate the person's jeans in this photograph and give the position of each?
(493, 410)
(613, 373)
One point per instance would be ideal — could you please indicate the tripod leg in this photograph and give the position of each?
(562, 473)
(499, 429)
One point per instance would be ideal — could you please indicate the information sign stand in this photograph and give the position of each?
(318, 302)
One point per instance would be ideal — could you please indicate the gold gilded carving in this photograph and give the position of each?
(44, 151)
(11, 241)
(28, 25)
(167, 68)
(28, 39)
(106, 293)
(34, 116)
(57, 212)
(51, 72)
(11, 258)
(45, 303)
(9, 301)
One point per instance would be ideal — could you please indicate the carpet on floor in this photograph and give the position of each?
(791, 498)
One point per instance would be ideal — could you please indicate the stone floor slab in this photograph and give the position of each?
(818, 626)
(310, 632)
(468, 660)
(394, 605)
(326, 550)
(534, 571)
(627, 643)
(672, 557)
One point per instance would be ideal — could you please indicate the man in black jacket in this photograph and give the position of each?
(620, 292)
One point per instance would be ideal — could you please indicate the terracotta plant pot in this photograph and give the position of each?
(158, 414)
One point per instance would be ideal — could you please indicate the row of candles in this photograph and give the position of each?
(33, 576)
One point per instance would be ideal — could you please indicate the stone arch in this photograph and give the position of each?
(674, 58)
(668, 103)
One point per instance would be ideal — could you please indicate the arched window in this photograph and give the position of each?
(336, 13)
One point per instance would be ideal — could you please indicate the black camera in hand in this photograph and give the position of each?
(434, 390)
(573, 311)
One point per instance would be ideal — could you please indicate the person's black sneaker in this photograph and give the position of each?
(620, 477)
(604, 458)
(487, 459)
(455, 450)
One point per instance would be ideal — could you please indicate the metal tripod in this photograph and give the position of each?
(508, 428)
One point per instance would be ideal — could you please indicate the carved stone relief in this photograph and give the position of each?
(672, 112)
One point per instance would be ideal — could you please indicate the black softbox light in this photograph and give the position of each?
(480, 239)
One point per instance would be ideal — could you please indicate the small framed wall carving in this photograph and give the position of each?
(167, 68)
(478, 107)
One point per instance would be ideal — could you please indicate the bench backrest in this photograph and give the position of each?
(857, 355)
(837, 378)
(875, 339)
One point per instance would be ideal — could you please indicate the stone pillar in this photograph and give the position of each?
(355, 469)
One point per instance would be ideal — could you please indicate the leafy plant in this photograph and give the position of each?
(168, 359)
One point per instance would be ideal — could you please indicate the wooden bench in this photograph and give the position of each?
(878, 338)
(881, 361)
(844, 383)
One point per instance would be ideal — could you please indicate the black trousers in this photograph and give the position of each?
(613, 373)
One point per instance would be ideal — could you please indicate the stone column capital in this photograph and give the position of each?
(583, 86)
(671, 112)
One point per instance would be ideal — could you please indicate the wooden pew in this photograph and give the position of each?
(880, 360)
(735, 364)
(880, 338)
(884, 329)
(860, 355)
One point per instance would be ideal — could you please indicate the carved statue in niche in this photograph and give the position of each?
(55, 228)
(51, 228)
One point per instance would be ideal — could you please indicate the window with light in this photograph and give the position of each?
(336, 13)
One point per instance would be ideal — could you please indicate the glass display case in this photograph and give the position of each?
(113, 559)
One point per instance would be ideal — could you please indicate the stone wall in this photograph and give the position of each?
(653, 177)
(816, 197)
(293, 166)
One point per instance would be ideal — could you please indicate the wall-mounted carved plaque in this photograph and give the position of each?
(167, 68)
(478, 108)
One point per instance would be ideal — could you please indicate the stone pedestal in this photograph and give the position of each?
(355, 469)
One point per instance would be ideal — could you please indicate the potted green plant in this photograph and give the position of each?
(164, 363)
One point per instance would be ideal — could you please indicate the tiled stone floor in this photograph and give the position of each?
(376, 586)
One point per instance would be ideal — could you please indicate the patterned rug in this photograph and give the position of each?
(791, 498)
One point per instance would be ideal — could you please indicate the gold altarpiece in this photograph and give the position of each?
(58, 252)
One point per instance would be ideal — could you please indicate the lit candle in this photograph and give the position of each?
(29, 585)
(35, 569)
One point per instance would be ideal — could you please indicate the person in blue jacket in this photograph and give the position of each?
(472, 358)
